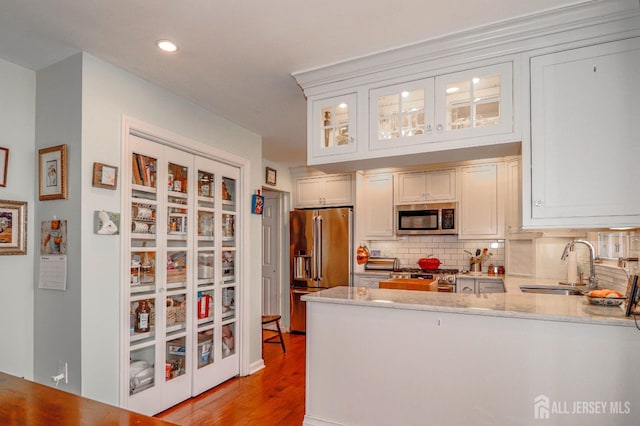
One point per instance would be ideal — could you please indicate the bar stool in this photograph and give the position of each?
(268, 319)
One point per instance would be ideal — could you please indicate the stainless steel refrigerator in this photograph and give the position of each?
(320, 253)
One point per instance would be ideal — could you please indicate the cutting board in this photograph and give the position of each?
(409, 284)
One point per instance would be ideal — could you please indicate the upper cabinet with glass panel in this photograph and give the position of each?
(465, 104)
(402, 114)
(473, 103)
(333, 125)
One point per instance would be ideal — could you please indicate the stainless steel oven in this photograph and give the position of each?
(430, 218)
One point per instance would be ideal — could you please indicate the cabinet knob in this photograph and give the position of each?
(539, 203)
(352, 139)
(439, 128)
(429, 129)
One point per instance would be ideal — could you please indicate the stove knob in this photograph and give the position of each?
(451, 278)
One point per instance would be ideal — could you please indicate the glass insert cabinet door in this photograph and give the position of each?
(402, 114)
(475, 102)
(181, 282)
(333, 125)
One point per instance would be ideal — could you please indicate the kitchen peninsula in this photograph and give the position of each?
(379, 357)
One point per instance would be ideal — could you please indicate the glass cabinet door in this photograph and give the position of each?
(475, 102)
(228, 263)
(402, 114)
(143, 254)
(334, 125)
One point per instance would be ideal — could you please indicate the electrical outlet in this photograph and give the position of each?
(63, 373)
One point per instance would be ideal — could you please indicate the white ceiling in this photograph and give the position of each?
(236, 56)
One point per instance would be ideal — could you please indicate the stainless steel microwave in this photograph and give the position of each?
(425, 219)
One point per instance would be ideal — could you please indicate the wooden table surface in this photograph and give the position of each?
(23, 402)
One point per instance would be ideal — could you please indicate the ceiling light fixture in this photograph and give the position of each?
(452, 89)
(475, 80)
(167, 46)
(405, 94)
(343, 105)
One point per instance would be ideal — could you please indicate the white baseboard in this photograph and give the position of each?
(256, 366)
(314, 421)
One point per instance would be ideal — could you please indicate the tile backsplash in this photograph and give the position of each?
(448, 248)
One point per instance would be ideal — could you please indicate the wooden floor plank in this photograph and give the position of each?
(272, 396)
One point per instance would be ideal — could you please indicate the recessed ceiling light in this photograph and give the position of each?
(405, 94)
(343, 105)
(475, 80)
(167, 46)
(452, 89)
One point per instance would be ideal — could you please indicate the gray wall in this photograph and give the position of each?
(17, 121)
(57, 317)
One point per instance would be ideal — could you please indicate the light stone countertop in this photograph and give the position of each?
(512, 304)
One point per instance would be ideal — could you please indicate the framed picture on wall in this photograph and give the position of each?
(270, 176)
(13, 227)
(105, 176)
(52, 166)
(4, 163)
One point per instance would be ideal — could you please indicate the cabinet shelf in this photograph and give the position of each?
(140, 337)
(175, 329)
(141, 288)
(143, 188)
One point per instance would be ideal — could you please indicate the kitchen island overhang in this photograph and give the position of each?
(379, 356)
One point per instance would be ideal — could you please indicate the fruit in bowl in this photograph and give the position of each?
(605, 297)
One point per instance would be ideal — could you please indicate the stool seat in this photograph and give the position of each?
(268, 319)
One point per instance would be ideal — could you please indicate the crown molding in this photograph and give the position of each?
(513, 34)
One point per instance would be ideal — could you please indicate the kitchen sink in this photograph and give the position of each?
(541, 289)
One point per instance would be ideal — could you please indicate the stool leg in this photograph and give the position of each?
(280, 334)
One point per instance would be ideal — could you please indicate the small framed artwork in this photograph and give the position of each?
(270, 176)
(4, 163)
(105, 176)
(257, 203)
(52, 165)
(53, 237)
(106, 223)
(13, 227)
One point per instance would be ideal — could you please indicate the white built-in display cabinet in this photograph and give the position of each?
(179, 323)
(332, 126)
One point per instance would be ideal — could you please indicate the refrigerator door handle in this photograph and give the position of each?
(319, 251)
(314, 260)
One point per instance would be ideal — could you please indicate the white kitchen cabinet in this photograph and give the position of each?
(513, 217)
(179, 286)
(584, 150)
(477, 285)
(377, 208)
(460, 105)
(420, 187)
(331, 125)
(324, 191)
(482, 201)
(465, 285)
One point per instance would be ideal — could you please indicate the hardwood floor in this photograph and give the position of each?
(272, 396)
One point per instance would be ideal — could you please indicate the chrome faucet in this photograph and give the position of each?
(593, 280)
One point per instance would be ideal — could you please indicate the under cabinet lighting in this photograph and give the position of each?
(167, 46)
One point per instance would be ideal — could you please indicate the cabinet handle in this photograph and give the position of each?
(539, 203)
(352, 139)
(429, 129)
(439, 128)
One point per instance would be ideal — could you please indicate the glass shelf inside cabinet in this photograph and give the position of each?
(228, 303)
(401, 114)
(176, 359)
(141, 370)
(228, 339)
(228, 265)
(205, 267)
(176, 310)
(142, 321)
(143, 175)
(335, 125)
(176, 269)
(143, 274)
(473, 103)
(205, 347)
(228, 194)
